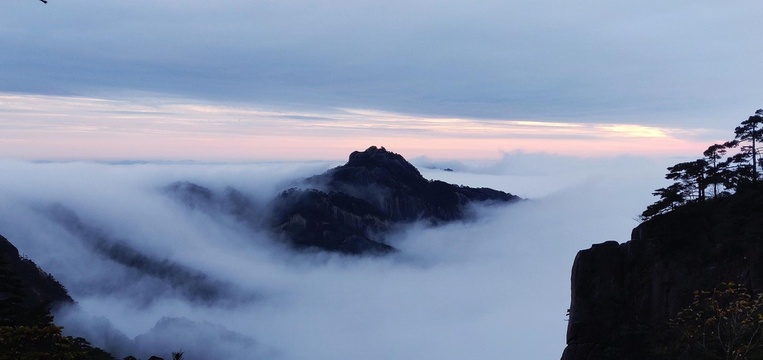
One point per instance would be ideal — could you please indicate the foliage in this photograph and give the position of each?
(45, 342)
(716, 171)
(26, 327)
(719, 170)
(13, 310)
(726, 323)
(749, 132)
(691, 178)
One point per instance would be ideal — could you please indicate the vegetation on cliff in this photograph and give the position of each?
(724, 169)
(725, 323)
(678, 288)
(27, 331)
(27, 327)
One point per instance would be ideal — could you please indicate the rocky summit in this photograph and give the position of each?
(347, 209)
(397, 189)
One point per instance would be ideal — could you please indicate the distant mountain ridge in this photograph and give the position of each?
(349, 208)
(189, 283)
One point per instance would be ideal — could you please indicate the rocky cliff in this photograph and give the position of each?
(624, 294)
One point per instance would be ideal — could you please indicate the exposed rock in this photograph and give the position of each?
(624, 294)
(398, 190)
(347, 209)
(330, 221)
(359, 201)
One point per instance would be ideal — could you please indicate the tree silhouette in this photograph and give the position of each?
(692, 178)
(749, 132)
(15, 310)
(715, 167)
(670, 198)
(27, 331)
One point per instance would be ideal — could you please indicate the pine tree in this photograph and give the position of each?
(749, 132)
(11, 295)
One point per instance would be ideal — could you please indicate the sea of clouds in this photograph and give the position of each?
(497, 286)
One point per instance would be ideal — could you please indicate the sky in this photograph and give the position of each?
(244, 80)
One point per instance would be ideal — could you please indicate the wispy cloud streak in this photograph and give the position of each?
(37, 126)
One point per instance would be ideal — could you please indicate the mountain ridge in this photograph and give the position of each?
(347, 209)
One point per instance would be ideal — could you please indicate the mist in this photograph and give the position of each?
(152, 275)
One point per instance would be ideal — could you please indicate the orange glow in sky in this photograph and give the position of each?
(38, 127)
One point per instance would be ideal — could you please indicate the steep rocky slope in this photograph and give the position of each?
(624, 294)
(25, 284)
(27, 331)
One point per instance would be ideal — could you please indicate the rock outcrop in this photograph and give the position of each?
(347, 209)
(397, 189)
(624, 294)
(332, 221)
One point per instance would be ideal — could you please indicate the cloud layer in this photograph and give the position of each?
(494, 287)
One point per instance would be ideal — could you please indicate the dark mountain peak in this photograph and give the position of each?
(377, 166)
(374, 157)
(349, 208)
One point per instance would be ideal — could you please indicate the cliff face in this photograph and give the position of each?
(624, 294)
